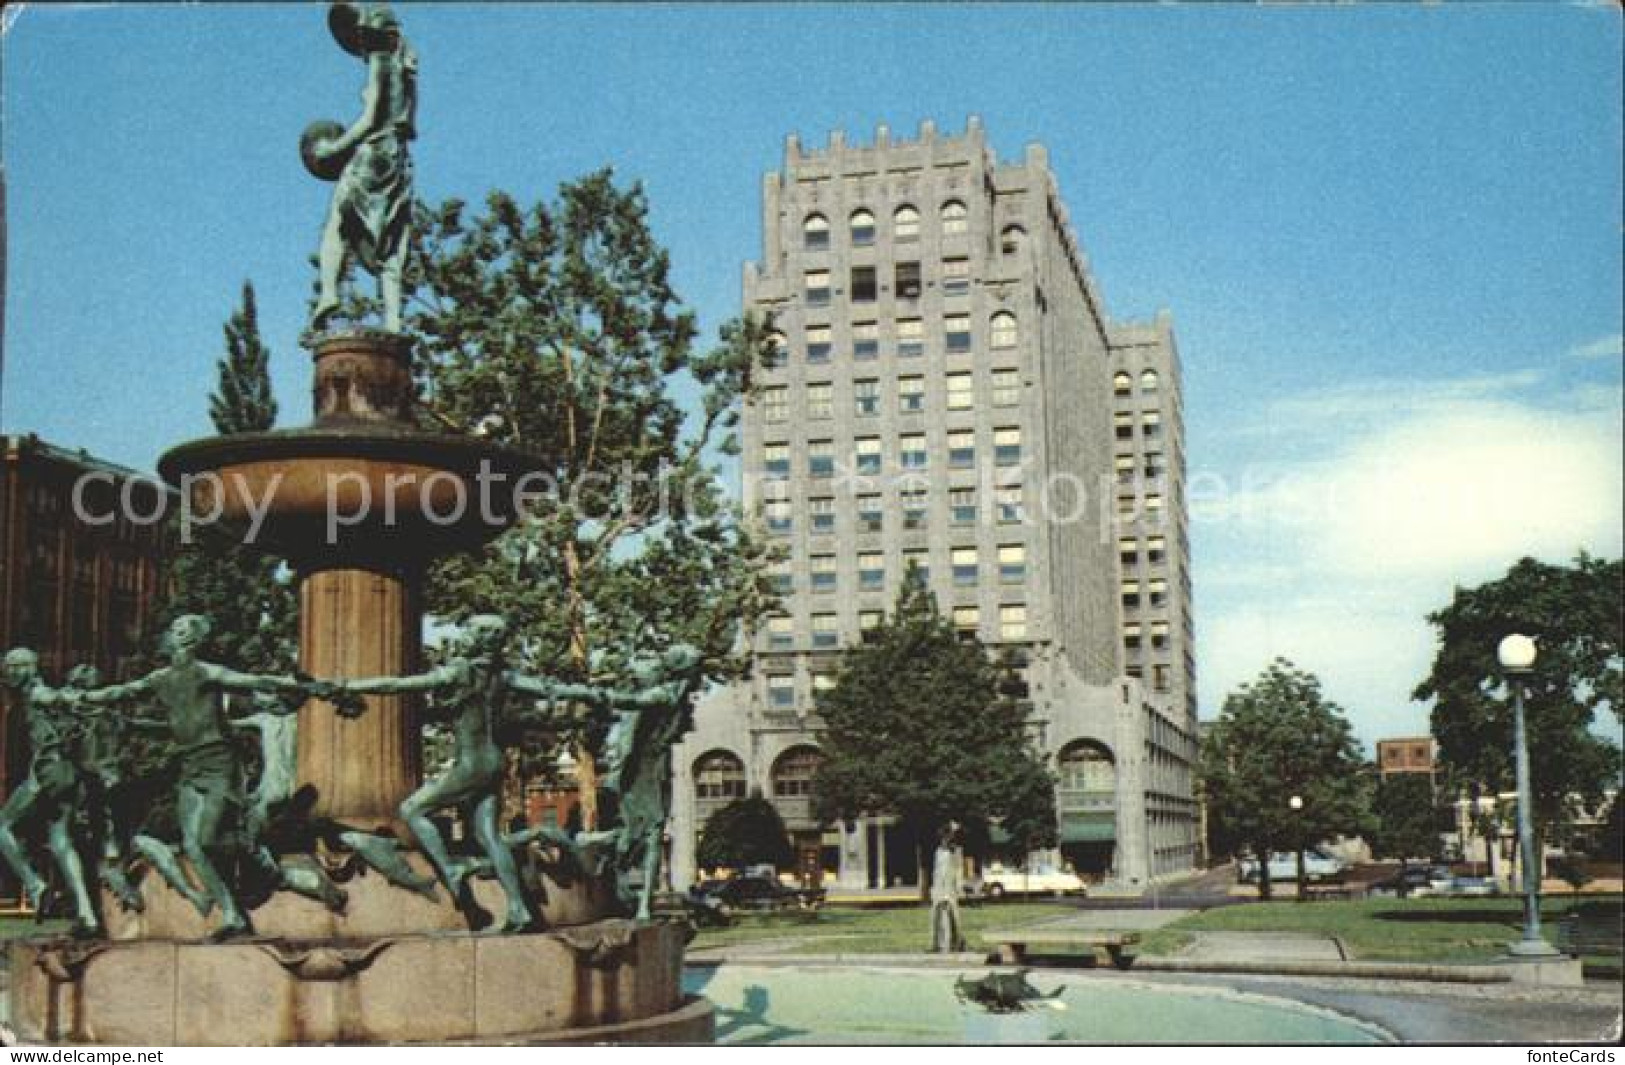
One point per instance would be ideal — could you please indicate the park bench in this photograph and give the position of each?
(1592, 930)
(1013, 947)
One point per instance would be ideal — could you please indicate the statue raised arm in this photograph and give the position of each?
(371, 213)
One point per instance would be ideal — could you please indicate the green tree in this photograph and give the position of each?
(245, 593)
(1277, 738)
(915, 727)
(1573, 615)
(1404, 821)
(554, 329)
(745, 832)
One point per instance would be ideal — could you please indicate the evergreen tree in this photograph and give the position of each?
(244, 592)
(915, 727)
(1278, 738)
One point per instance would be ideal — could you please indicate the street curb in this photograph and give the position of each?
(1370, 970)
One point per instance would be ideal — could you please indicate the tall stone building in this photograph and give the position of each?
(947, 397)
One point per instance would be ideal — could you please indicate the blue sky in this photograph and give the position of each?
(1390, 237)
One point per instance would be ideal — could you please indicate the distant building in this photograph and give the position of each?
(951, 395)
(1408, 754)
(73, 590)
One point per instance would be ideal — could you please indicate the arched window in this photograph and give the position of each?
(1148, 381)
(906, 222)
(1122, 384)
(1011, 239)
(1086, 766)
(862, 227)
(794, 770)
(719, 776)
(815, 232)
(1003, 332)
(955, 219)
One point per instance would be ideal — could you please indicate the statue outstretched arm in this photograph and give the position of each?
(548, 688)
(433, 680)
(116, 693)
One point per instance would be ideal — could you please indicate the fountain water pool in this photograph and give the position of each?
(770, 1004)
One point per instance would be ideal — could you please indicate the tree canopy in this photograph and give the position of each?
(1278, 737)
(244, 592)
(554, 329)
(745, 832)
(1573, 615)
(1405, 823)
(915, 727)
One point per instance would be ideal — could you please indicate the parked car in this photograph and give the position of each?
(997, 882)
(1317, 865)
(1467, 887)
(754, 893)
(1412, 880)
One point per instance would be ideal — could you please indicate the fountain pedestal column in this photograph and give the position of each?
(359, 623)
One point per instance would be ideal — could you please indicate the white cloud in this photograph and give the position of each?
(1334, 561)
(1608, 347)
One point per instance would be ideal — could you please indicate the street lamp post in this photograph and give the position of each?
(1296, 805)
(1517, 656)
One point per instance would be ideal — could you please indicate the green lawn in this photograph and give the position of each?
(1383, 929)
(861, 930)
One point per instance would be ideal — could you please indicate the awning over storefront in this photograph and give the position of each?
(1088, 828)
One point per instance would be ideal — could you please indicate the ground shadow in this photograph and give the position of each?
(1504, 918)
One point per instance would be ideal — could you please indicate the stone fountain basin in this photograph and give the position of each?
(340, 489)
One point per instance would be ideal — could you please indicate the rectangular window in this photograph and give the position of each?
(1156, 550)
(910, 338)
(955, 277)
(1007, 446)
(820, 401)
(967, 619)
(864, 288)
(918, 561)
(781, 632)
(823, 682)
(775, 404)
(819, 347)
(817, 288)
(1131, 593)
(866, 450)
(866, 397)
(914, 506)
(962, 506)
(956, 333)
(871, 571)
(1160, 677)
(1006, 388)
(1159, 634)
(1158, 588)
(826, 632)
(1012, 505)
(821, 459)
(1153, 508)
(1123, 425)
(1013, 622)
(869, 622)
(776, 512)
(822, 568)
(821, 515)
(871, 514)
(908, 280)
(964, 564)
(781, 690)
(962, 449)
(1124, 464)
(1131, 636)
(961, 391)
(911, 394)
(1012, 563)
(776, 460)
(1128, 551)
(779, 578)
(911, 451)
(865, 341)
(1154, 465)
(1151, 424)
